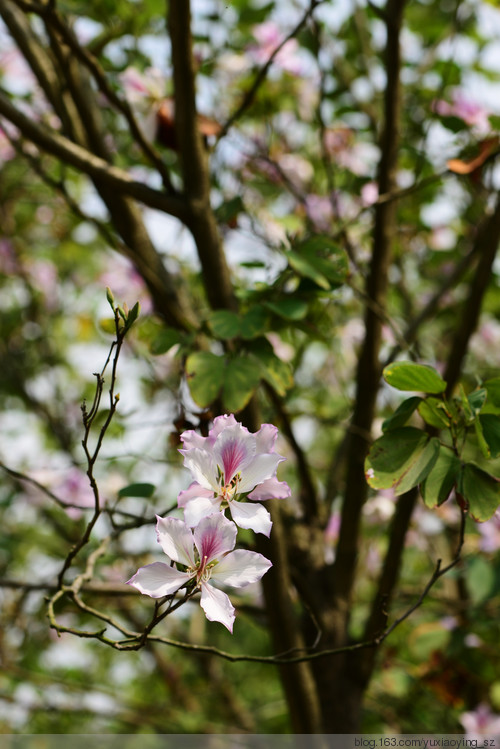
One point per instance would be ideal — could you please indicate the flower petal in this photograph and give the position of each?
(217, 606)
(158, 580)
(192, 439)
(200, 507)
(193, 491)
(176, 540)
(251, 515)
(265, 438)
(234, 449)
(270, 489)
(261, 468)
(220, 423)
(240, 568)
(203, 467)
(214, 536)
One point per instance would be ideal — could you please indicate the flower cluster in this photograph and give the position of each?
(229, 466)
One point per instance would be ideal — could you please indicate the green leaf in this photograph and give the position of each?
(164, 341)
(228, 211)
(493, 389)
(137, 490)
(402, 413)
(273, 370)
(401, 459)
(133, 314)
(490, 425)
(480, 490)
(455, 124)
(290, 309)
(253, 264)
(225, 324)
(444, 474)
(477, 400)
(483, 445)
(205, 375)
(327, 257)
(254, 323)
(480, 577)
(411, 376)
(242, 376)
(304, 268)
(466, 407)
(433, 412)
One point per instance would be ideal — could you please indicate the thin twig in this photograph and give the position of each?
(262, 73)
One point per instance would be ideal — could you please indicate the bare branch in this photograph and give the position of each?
(85, 161)
(261, 75)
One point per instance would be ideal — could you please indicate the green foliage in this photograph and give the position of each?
(405, 457)
(438, 485)
(288, 180)
(137, 490)
(401, 459)
(412, 376)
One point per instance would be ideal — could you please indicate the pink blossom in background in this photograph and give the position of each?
(206, 557)
(442, 238)
(15, 73)
(490, 534)
(268, 36)
(6, 150)
(296, 168)
(380, 508)
(333, 527)
(369, 193)
(75, 489)
(480, 722)
(331, 536)
(145, 92)
(349, 153)
(485, 343)
(43, 275)
(319, 211)
(9, 263)
(126, 284)
(230, 466)
(147, 86)
(284, 351)
(449, 623)
(466, 109)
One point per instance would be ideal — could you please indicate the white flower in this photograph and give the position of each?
(206, 556)
(229, 465)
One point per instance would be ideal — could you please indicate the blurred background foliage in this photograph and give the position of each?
(294, 190)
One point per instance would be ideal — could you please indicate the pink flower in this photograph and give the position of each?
(490, 534)
(268, 37)
(320, 211)
(231, 465)
(465, 109)
(369, 193)
(144, 92)
(205, 556)
(480, 722)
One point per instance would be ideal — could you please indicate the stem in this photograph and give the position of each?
(368, 373)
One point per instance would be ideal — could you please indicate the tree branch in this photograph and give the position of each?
(485, 246)
(200, 219)
(55, 22)
(85, 161)
(368, 373)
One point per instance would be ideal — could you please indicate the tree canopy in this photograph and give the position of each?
(263, 234)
